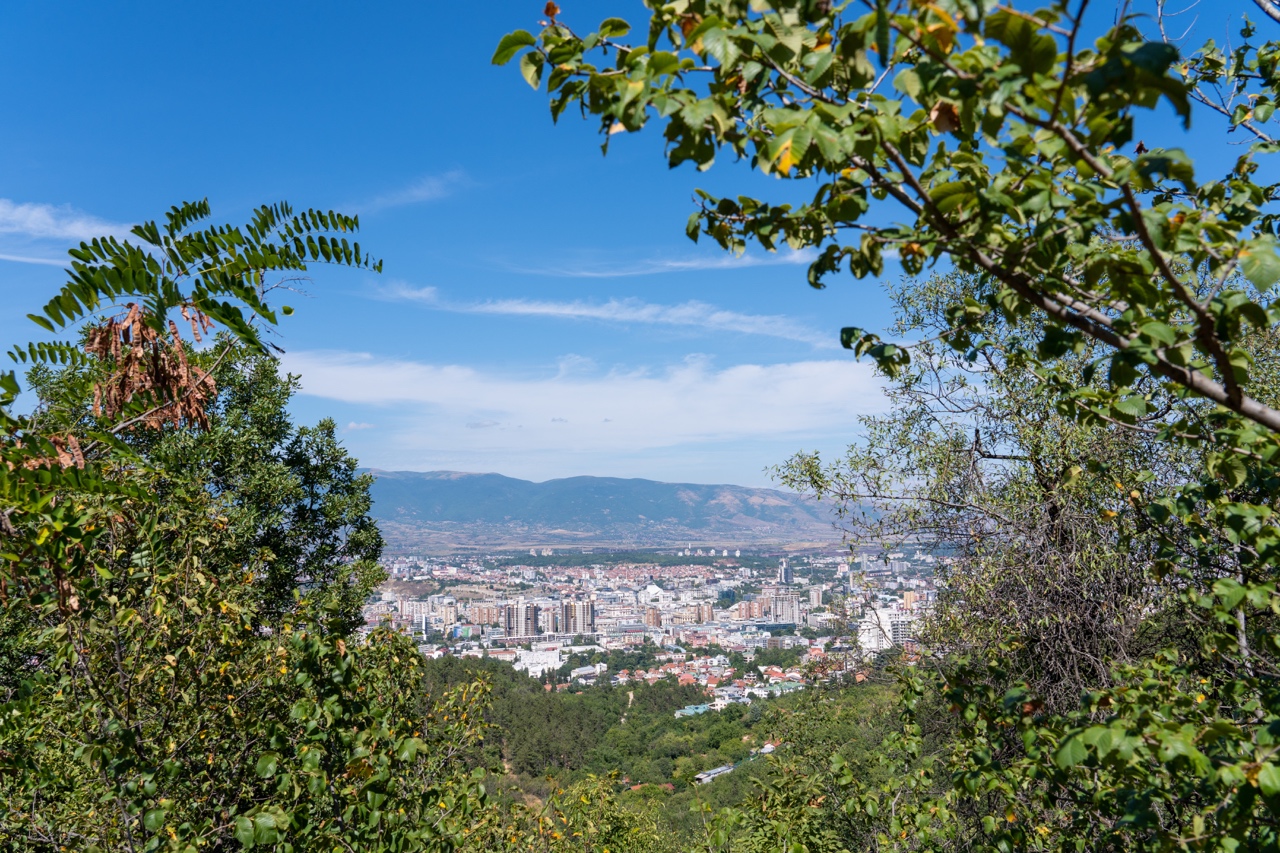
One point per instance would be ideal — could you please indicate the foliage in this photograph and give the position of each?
(157, 693)
(587, 816)
(974, 456)
(630, 730)
(1121, 294)
(295, 488)
(1004, 140)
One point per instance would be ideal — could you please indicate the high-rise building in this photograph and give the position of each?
(785, 574)
(578, 617)
(653, 617)
(815, 596)
(909, 600)
(706, 613)
(487, 614)
(520, 619)
(786, 608)
(411, 607)
(551, 619)
(901, 627)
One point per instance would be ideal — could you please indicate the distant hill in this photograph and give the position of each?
(441, 510)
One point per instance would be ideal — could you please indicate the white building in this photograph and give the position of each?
(537, 662)
(884, 627)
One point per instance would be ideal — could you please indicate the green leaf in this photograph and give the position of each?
(267, 765)
(1269, 780)
(244, 831)
(531, 68)
(1159, 332)
(882, 32)
(908, 83)
(1230, 467)
(611, 27)
(153, 820)
(1071, 753)
(409, 749)
(41, 321)
(1154, 57)
(950, 195)
(850, 335)
(1134, 406)
(1030, 49)
(1260, 263)
(266, 828)
(510, 45)
(1230, 592)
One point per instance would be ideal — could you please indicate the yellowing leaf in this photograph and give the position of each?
(783, 160)
(944, 35)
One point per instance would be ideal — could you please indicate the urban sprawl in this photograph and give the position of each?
(539, 613)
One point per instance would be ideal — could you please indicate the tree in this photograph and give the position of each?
(297, 489)
(1007, 143)
(975, 458)
(1134, 287)
(295, 493)
(156, 693)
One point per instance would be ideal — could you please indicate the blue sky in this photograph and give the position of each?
(541, 313)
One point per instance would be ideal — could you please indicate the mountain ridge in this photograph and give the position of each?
(443, 509)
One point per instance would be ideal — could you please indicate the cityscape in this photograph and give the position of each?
(538, 611)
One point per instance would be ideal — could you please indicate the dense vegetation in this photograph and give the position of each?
(599, 730)
(630, 736)
(1089, 420)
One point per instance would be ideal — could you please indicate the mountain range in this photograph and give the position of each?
(436, 511)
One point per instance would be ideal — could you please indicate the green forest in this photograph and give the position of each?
(548, 741)
(1083, 387)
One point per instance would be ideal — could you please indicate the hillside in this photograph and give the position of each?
(445, 509)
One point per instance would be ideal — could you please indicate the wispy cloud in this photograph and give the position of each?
(398, 291)
(52, 222)
(692, 314)
(23, 259)
(354, 426)
(427, 188)
(657, 266)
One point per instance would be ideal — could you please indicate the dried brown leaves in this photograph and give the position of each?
(149, 364)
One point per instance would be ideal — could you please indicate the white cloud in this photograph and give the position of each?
(23, 259)
(354, 425)
(50, 222)
(656, 266)
(427, 188)
(692, 314)
(459, 409)
(398, 291)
